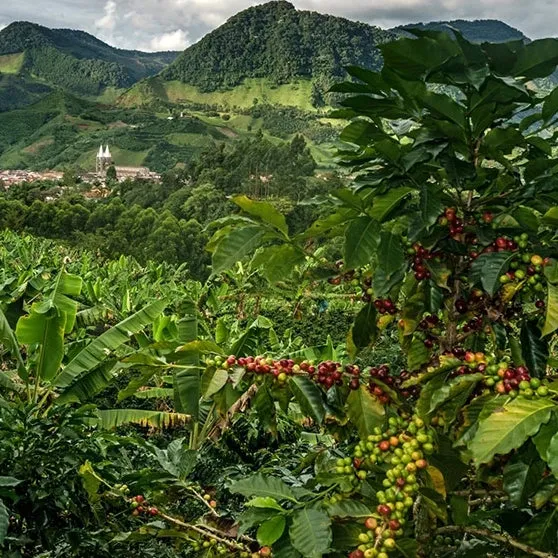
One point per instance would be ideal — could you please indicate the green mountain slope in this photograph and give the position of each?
(62, 130)
(17, 91)
(268, 46)
(73, 60)
(279, 55)
(267, 69)
(479, 30)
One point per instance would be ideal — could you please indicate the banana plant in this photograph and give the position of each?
(48, 373)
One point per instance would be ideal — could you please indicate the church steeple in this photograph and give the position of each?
(104, 159)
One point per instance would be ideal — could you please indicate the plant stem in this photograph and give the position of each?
(209, 422)
(244, 538)
(194, 436)
(201, 499)
(205, 531)
(504, 539)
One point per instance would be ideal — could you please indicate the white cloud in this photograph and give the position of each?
(174, 40)
(108, 21)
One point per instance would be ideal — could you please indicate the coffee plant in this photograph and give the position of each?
(449, 234)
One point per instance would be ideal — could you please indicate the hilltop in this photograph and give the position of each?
(477, 31)
(265, 48)
(34, 57)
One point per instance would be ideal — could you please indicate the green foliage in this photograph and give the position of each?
(77, 61)
(447, 234)
(450, 268)
(278, 42)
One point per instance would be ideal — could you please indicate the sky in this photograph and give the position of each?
(153, 25)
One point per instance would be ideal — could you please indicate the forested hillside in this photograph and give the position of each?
(73, 60)
(167, 221)
(254, 357)
(275, 53)
(277, 42)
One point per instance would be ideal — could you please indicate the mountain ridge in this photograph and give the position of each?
(73, 59)
(265, 47)
(475, 30)
(270, 52)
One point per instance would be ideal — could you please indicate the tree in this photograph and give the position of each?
(206, 204)
(70, 177)
(111, 174)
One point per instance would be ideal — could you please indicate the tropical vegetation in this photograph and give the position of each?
(143, 410)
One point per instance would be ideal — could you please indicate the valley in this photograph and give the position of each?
(63, 92)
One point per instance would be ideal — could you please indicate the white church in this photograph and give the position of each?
(104, 159)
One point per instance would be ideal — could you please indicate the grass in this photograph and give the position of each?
(11, 63)
(196, 140)
(27, 135)
(126, 158)
(34, 148)
(108, 96)
(297, 94)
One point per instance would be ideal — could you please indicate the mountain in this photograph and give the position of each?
(275, 54)
(272, 43)
(266, 70)
(477, 31)
(73, 60)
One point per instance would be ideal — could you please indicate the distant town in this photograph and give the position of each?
(98, 178)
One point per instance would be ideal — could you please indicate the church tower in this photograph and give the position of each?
(103, 160)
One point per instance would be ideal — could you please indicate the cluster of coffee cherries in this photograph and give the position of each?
(385, 306)
(447, 543)
(403, 446)
(328, 373)
(473, 363)
(429, 330)
(419, 256)
(209, 499)
(211, 547)
(500, 244)
(358, 280)
(280, 369)
(500, 375)
(122, 488)
(506, 378)
(455, 224)
(344, 276)
(527, 271)
(140, 506)
(474, 324)
(429, 322)
(380, 378)
(476, 304)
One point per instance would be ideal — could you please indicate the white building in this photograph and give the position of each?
(104, 160)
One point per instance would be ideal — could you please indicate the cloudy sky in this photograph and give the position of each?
(174, 24)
